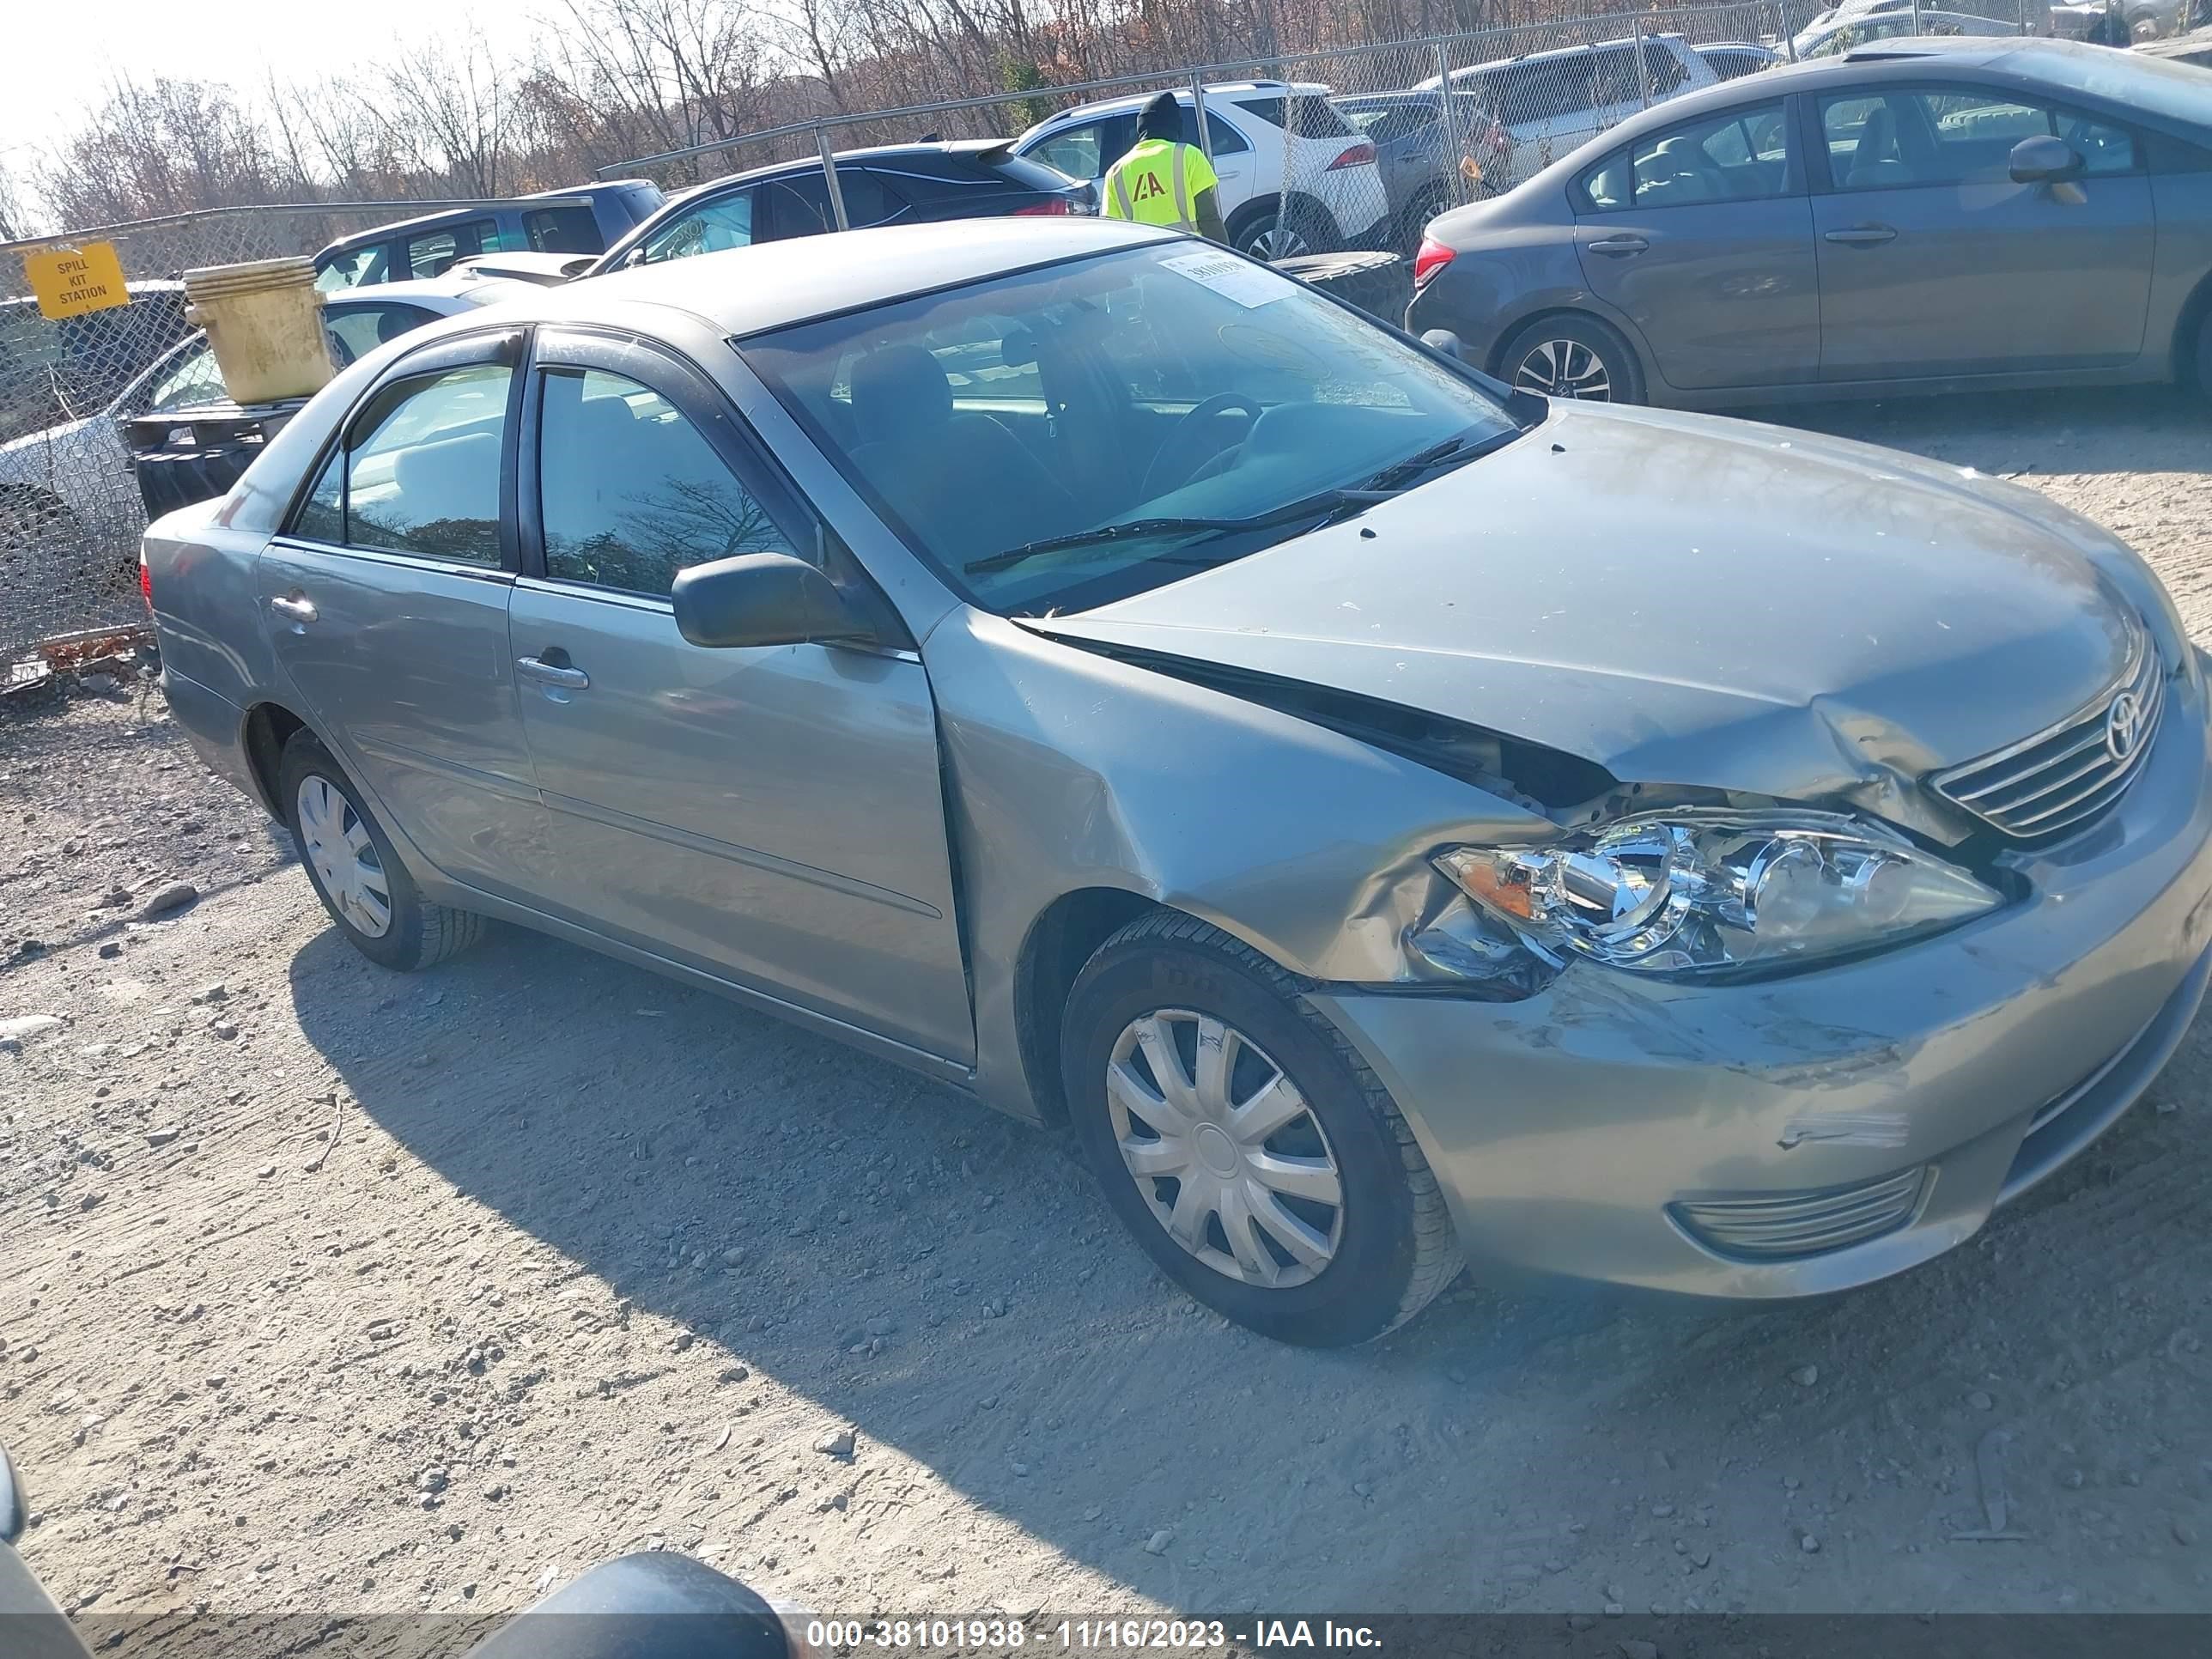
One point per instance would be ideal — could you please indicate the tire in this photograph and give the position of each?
(1561, 341)
(414, 934)
(1367, 1263)
(1432, 201)
(1264, 234)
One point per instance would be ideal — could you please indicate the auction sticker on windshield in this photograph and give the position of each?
(71, 281)
(1251, 286)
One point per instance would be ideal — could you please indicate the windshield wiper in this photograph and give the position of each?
(1395, 477)
(1327, 501)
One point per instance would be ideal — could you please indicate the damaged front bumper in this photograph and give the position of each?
(1802, 1135)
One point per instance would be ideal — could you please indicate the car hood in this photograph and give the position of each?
(1684, 601)
(29, 455)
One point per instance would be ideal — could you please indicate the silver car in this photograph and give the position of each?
(1924, 215)
(1394, 824)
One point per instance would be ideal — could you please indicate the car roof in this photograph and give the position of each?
(813, 164)
(1232, 90)
(574, 193)
(1958, 51)
(741, 291)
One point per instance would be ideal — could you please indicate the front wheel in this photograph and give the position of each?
(1244, 1143)
(1576, 358)
(354, 870)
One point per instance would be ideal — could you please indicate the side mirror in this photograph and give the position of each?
(1444, 340)
(2045, 161)
(15, 1508)
(762, 598)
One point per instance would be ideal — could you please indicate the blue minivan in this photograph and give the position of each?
(588, 219)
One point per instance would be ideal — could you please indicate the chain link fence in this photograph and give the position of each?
(71, 512)
(1354, 146)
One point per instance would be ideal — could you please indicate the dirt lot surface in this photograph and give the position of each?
(329, 1289)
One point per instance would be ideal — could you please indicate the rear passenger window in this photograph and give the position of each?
(419, 471)
(434, 253)
(630, 493)
(1740, 156)
(562, 230)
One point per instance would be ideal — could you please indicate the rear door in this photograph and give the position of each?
(1934, 262)
(774, 816)
(384, 599)
(1702, 234)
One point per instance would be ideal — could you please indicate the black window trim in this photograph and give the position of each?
(494, 344)
(1794, 174)
(1822, 180)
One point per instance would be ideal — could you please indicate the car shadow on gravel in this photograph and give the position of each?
(947, 1280)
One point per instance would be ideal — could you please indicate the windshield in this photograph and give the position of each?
(1168, 383)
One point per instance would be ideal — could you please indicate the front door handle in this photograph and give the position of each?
(298, 609)
(1618, 244)
(553, 673)
(1863, 235)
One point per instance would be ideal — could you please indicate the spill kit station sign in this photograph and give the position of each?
(72, 281)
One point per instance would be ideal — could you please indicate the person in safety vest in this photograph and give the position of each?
(1163, 180)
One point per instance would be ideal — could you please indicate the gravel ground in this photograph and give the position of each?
(329, 1289)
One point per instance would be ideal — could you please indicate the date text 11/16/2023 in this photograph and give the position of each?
(1075, 1635)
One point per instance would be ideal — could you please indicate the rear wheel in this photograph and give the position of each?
(1244, 1143)
(355, 871)
(1572, 357)
(1266, 231)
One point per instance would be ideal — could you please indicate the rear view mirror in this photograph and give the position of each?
(2044, 161)
(762, 598)
(15, 1508)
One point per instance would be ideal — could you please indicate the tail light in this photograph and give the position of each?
(1359, 155)
(1052, 207)
(145, 580)
(1433, 258)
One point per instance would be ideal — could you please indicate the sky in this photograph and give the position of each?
(61, 58)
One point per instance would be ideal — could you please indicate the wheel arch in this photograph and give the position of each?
(1064, 936)
(269, 726)
(2195, 316)
(1646, 370)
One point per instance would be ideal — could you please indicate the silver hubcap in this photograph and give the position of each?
(1223, 1148)
(344, 858)
(1279, 241)
(1566, 368)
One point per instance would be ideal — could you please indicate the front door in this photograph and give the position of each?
(1934, 262)
(773, 815)
(1701, 235)
(385, 600)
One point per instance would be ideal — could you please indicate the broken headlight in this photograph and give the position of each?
(1693, 891)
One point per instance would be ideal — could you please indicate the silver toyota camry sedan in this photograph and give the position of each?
(1393, 821)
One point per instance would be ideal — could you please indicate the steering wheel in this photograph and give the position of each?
(1220, 403)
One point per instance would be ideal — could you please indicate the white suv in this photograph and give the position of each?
(1264, 134)
(1551, 103)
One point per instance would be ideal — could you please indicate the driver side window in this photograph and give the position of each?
(1740, 156)
(725, 223)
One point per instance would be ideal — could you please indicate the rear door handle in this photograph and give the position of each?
(299, 609)
(1863, 235)
(553, 673)
(1618, 244)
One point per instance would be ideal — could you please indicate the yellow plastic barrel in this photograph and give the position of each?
(265, 320)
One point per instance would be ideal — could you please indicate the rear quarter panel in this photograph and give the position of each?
(1508, 269)
(2183, 263)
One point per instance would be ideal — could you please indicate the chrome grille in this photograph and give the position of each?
(1790, 1225)
(2070, 774)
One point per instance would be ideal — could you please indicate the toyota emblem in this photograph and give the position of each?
(2123, 726)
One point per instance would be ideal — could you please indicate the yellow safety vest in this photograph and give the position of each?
(1159, 182)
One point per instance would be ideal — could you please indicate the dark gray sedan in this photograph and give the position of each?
(1922, 215)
